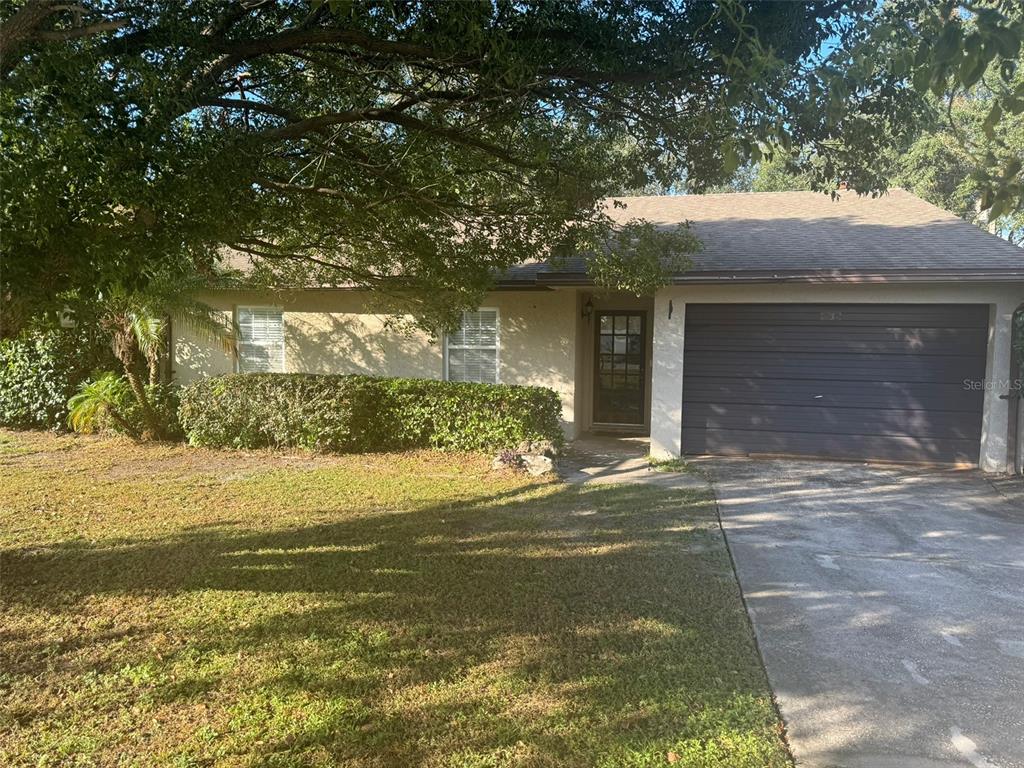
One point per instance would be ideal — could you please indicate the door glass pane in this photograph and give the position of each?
(620, 369)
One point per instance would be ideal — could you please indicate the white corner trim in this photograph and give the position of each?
(667, 376)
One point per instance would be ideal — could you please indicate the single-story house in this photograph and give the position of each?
(857, 328)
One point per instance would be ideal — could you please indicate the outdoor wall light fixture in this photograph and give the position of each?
(588, 309)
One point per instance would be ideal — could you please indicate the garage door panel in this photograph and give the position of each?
(844, 315)
(837, 380)
(740, 443)
(851, 367)
(832, 421)
(880, 341)
(831, 393)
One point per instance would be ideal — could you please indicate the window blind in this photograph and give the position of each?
(261, 340)
(472, 350)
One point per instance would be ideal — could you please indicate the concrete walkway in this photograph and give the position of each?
(889, 607)
(598, 459)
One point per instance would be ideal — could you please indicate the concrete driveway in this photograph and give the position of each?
(889, 606)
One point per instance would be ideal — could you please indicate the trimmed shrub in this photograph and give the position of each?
(41, 369)
(362, 413)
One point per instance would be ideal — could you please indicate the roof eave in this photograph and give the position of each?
(567, 279)
(854, 277)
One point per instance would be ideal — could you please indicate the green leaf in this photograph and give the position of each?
(1000, 207)
(784, 139)
(1013, 105)
(972, 44)
(730, 158)
(948, 44)
(988, 17)
(922, 56)
(922, 79)
(971, 70)
(1007, 42)
(992, 120)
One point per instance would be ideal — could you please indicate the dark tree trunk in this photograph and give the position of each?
(126, 350)
(121, 421)
(151, 430)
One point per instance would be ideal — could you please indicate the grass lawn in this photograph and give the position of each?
(169, 606)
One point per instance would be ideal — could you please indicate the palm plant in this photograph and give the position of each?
(151, 335)
(138, 322)
(96, 400)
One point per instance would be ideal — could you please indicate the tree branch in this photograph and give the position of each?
(255, 106)
(24, 24)
(322, 191)
(261, 251)
(392, 117)
(61, 35)
(294, 39)
(24, 27)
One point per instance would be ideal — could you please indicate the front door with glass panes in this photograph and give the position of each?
(619, 368)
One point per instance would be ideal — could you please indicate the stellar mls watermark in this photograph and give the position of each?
(1009, 386)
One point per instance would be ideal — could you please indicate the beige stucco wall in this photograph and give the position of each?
(538, 331)
(340, 332)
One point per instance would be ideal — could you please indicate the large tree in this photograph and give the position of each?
(418, 147)
(947, 163)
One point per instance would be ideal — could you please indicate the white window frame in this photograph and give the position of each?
(251, 307)
(497, 345)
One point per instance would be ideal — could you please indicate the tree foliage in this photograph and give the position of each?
(919, 50)
(947, 163)
(418, 147)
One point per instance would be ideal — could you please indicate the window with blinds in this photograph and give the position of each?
(472, 351)
(260, 340)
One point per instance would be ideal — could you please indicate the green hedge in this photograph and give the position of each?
(361, 413)
(41, 369)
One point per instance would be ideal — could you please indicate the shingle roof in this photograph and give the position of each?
(772, 236)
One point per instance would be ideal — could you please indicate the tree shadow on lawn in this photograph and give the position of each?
(597, 625)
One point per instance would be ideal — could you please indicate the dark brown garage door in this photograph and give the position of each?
(859, 381)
